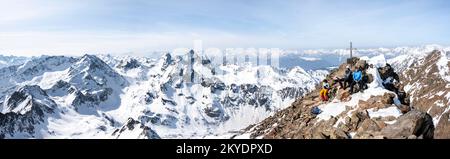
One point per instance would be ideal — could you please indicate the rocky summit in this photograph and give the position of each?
(416, 109)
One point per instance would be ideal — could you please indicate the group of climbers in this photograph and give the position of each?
(357, 80)
(390, 78)
(358, 77)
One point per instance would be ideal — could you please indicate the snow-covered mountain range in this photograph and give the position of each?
(135, 97)
(186, 96)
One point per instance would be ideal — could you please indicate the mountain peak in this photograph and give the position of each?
(93, 70)
(91, 58)
(91, 62)
(26, 97)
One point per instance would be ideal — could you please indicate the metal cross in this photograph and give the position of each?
(351, 50)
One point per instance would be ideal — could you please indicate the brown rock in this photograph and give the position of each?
(357, 118)
(318, 135)
(412, 137)
(348, 108)
(364, 104)
(368, 125)
(381, 124)
(344, 127)
(309, 102)
(378, 137)
(374, 102)
(362, 114)
(344, 96)
(443, 127)
(388, 118)
(352, 61)
(388, 98)
(338, 134)
(369, 78)
(347, 120)
(361, 63)
(404, 108)
(317, 99)
(363, 135)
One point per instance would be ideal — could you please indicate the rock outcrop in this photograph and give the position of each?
(24, 111)
(414, 124)
(429, 88)
(133, 128)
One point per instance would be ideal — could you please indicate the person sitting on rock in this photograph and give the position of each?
(365, 80)
(345, 81)
(337, 80)
(357, 79)
(388, 67)
(336, 84)
(389, 84)
(403, 96)
(324, 91)
(348, 77)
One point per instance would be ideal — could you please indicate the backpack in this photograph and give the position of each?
(316, 111)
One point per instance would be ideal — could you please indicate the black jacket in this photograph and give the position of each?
(348, 74)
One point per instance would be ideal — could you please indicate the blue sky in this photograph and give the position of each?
(31, 27)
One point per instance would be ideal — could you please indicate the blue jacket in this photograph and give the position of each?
(357, 75)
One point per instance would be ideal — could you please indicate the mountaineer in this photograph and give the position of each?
(348, 78)
(357, 79)
(344, 81)
(324, 91)
(403, 96)
(389, 84)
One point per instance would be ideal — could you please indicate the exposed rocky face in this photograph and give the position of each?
(25, 111)
(134, 129)
(92, 82)
(93, 99)
(129, 64)
(414, 124)
(429, 91)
